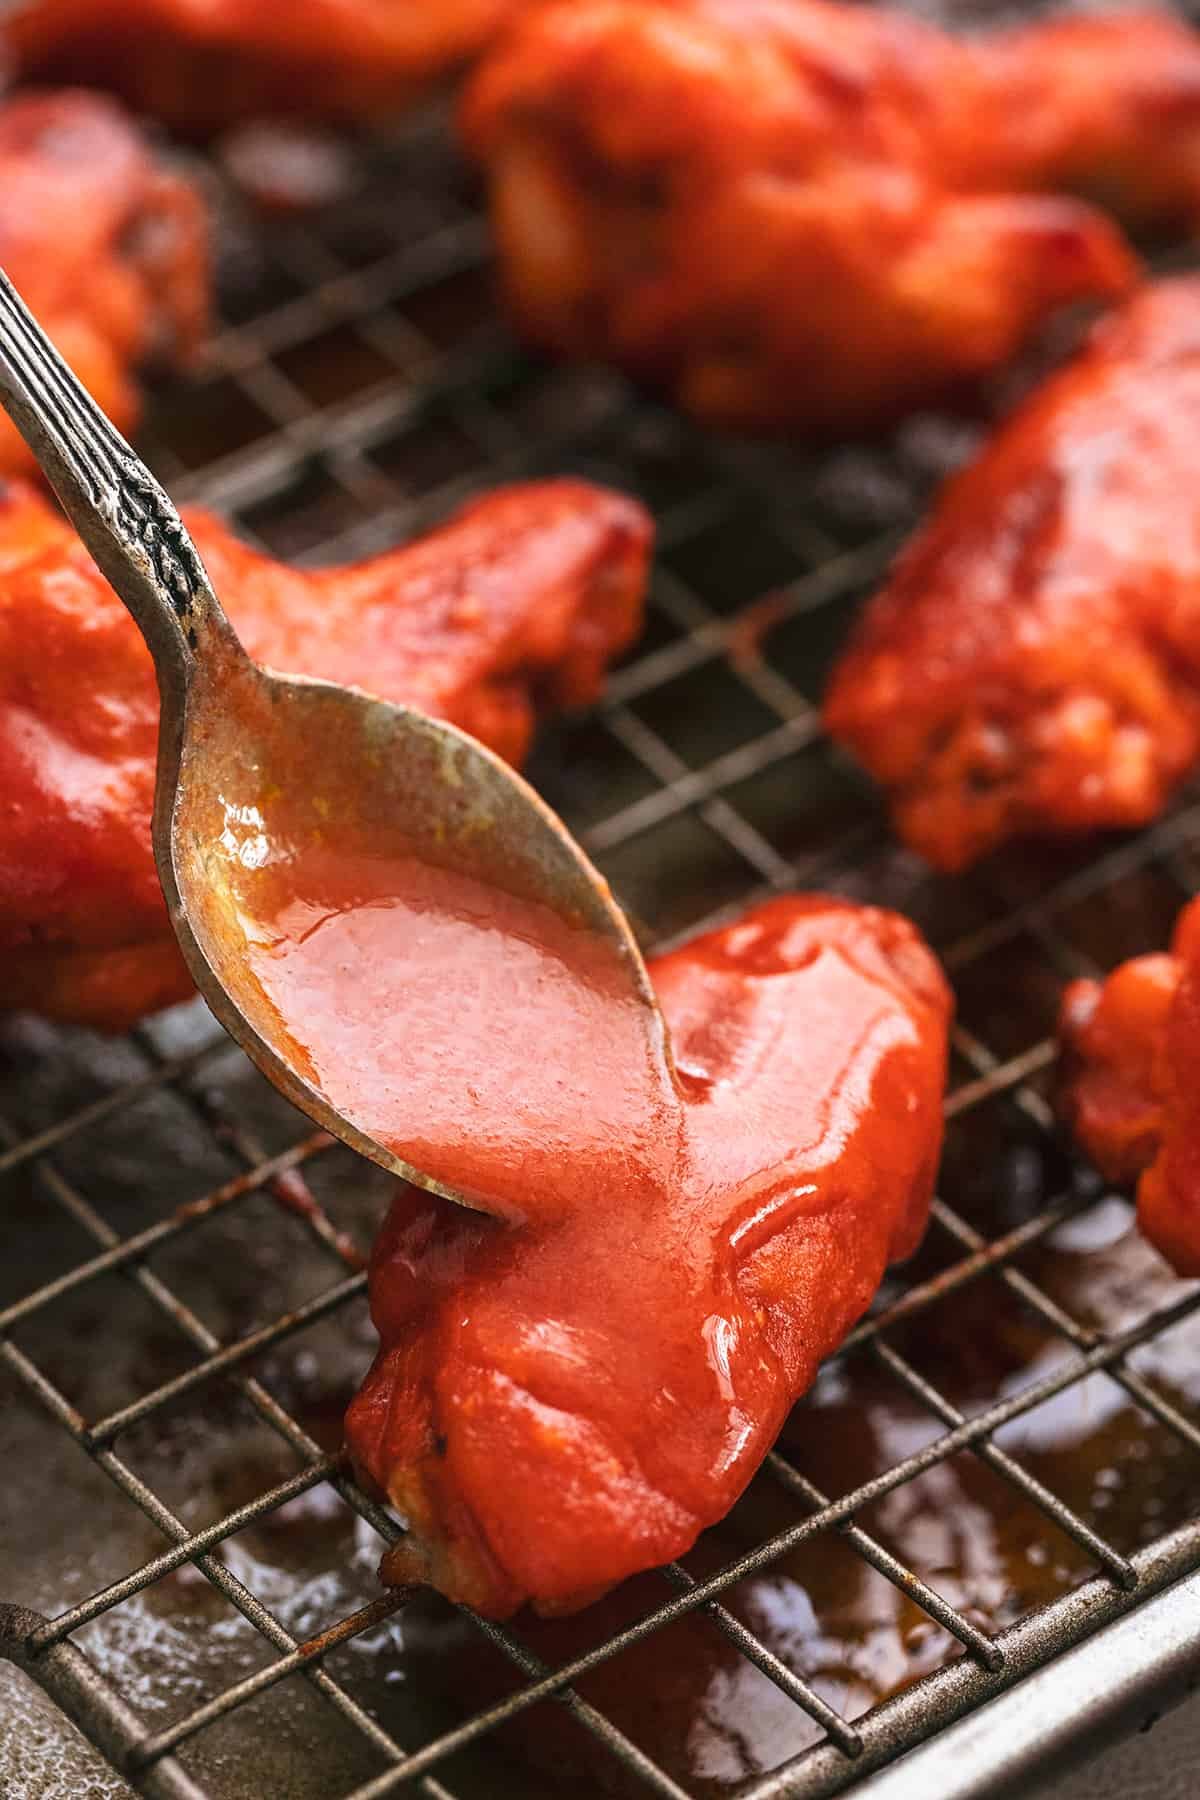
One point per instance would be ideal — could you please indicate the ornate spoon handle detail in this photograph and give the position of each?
(122, 514)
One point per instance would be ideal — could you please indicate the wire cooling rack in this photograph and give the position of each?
(179, 1523)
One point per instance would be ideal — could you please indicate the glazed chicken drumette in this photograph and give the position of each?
(565, 1397)
(1032, 667)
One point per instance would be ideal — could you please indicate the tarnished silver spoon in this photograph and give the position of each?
(387, 919)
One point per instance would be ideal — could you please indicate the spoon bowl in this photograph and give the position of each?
(385, 916)
(304, 811)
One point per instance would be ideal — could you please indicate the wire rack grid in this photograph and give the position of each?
(358, 387)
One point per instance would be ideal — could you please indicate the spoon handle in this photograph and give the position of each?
(124, 517)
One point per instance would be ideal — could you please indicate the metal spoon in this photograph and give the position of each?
(239, 745)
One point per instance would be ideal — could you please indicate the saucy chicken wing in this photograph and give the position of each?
(1033, 664)
(562, 1400)
(805, 214)
(201, 64)
(1131, 1052)
(518, 602)
(107, 245)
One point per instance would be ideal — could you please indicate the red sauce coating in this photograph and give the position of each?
(1131, 1048)
(478, 1035)
(561, 1401)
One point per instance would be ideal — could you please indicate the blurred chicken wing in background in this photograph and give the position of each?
(202, 64)
(799, 214)
(106, 244)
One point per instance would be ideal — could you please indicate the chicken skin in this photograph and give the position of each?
(562, 1400)
(1032, 666)
(813, 216)
(107, 246)
(202, 64)
(517, 603)
(1131, 1051)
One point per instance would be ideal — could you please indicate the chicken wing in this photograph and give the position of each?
(1131, 1049)
(107, 245)
(559, 1403)
(202, 64)
(519, 602)
(811, 215)
(1033, 664)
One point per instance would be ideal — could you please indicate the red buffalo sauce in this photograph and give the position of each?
(482, 1038)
